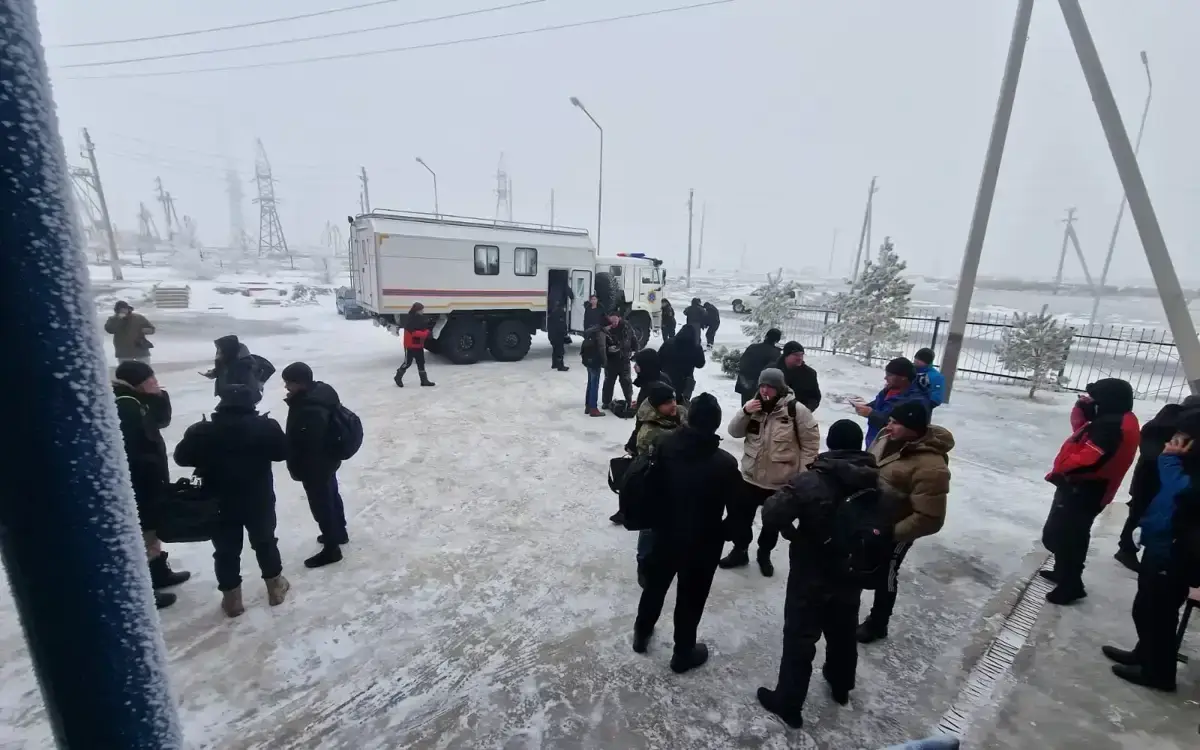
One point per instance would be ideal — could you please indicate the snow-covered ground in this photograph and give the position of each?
(486, 602)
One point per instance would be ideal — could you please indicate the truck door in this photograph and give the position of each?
(581, 284)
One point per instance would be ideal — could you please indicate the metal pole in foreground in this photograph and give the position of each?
(1165, 278)
(1112, 241)
(68, 533)
(987, 191)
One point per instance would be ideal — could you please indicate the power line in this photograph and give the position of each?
(429, 45)
(230, 27)
(299, 40)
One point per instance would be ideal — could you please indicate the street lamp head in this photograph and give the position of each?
(576, 102)
(420, 161)
(1145, 60)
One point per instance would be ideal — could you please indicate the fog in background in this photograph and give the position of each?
(777, 112)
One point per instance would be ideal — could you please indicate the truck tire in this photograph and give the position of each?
(642, 325)
(463, 341)
(509, 340)
(608, 291)
(739, 307)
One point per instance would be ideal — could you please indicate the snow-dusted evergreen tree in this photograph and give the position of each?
(771, 309)
(1036, 344)
(729, 359)
(867, 313)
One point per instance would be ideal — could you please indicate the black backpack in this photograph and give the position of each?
(641, 490)
(187, 513)
(863, 540)
(345, 433)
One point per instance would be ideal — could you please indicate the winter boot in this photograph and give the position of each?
(163, 600)
(765, 565)
(277, 589)
(769, 699)
(561, 366)
(425, 381)
(840, 694)
(399, 377)
(641, 641)
(231, 602)
(1121, 656)
(1138, 676)
(1128, 558)
(618, 518)
(870, 631)
(1066, 592)
(161, 575)
(1049, 575)
(593, 412)
(689, 660)
(328, 555)
(737, 558)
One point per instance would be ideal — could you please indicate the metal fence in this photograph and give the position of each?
(1146, 357)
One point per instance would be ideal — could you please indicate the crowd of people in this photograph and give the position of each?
(232, 453)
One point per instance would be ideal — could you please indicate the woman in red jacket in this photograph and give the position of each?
(416, 330)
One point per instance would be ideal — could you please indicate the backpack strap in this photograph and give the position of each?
(140, 405)
(791, 410)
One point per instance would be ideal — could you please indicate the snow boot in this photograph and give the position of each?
(231, 602)
(1066, 593)
(425, 381)
(163, 600)
(277, 589)
(737, 558)
(769, 699)
(328, 555)
(869, 632)
(1121, 656)
(161, 575)
(594, 412)
(398, 378)
(841, 695)
(562, 367)
(618, 518)
(1138, 676)
(641, 641)
(689, 660)
(765, 565)
(1128, 558)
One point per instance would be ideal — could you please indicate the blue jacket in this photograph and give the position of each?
(881, 407)
(1158, 522)
(932, 380)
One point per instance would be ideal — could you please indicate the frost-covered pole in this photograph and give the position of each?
(68, 530)
(114, 261)
(987, 192)
(1140, 208)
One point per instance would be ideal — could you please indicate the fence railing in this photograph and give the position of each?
(1146, 357)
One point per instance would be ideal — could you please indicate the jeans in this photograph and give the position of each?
(944, 742)
(645, 545)
(325, 502)
(592, 395)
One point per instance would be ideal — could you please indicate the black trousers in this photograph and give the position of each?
(742, 520)
(558, 348)
(1068, 530)
(711, 334)
(816, 608)
(1160, 594)
(325, 502)
(612, 373)
(668, 331)
(1137, 506)
(410, 356)
(695, 574)
(257, 517)
(885, 596)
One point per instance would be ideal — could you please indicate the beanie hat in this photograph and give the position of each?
(844, 435)
(122, 305)
(239, 395)
(792, 347)
(773, 336)
(704, 413)
(134, 373)
(903, 367)
(298, 372)
(924, 355)
(660, 393)
(774, 378)
(913, 415)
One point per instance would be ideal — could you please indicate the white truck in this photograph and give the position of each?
(488, 284)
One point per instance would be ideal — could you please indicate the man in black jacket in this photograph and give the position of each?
(679, 359)
(756, 358)
(801, 378)
(622, 343)
(235, 364)
(698, 479)
(712, 321)
(695, 316)
(144, 409)
(1144, 486)
(668, 320)
(819, 600)
(310, 458)
(592, 314)
(232, 454)
(556, 330)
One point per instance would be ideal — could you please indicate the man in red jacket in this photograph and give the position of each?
(1087, 472)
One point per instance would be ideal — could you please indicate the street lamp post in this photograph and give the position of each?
(1112, 241)
(436, 211)
(600, 181)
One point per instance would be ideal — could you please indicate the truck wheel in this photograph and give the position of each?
(640, 320)
(608, 290)
(462, 341)
(739, 307)
(508, 340)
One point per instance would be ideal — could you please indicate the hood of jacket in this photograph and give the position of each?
(936, 440)
(1111, 396)
(121, 388)
(854, 470)
(319, 393)
(649, 367)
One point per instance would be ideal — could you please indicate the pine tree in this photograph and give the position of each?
(771, 309)
(867, 324)
(1036, 344)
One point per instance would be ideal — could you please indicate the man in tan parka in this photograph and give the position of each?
(914, 472)
(781, 439)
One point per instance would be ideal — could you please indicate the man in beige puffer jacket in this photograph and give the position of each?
(781, 439)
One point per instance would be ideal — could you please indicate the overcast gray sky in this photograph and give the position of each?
(778, 113)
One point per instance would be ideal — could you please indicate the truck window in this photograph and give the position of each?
(524, 261)
(487, 260)
(649, 276)
(614, 270)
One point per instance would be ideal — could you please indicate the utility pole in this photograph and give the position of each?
(700, 243)
(862, 235)
(1062, 255)
(1183, 330)
(366, 192)
(237, 220)
(691, 196)
(113, 261)
(987, 192)
(1087, 274)
(832, 251)
(165, 199)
